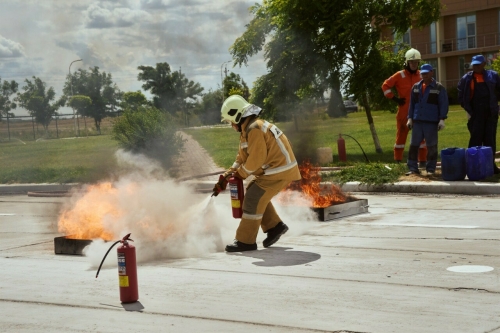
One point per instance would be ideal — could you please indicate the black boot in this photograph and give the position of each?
(274, 234)
(238, 246)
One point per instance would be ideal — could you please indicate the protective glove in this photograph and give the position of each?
(220, 186)
(400, 101)
(409, 123)
(236, 174)
(441, 125)
(468, 115)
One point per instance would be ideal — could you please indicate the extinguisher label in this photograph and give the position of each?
(233, 191)
(122, 267)
(123, 281)
(235, 203)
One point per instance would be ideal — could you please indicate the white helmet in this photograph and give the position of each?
(233, 108)
(412, 54)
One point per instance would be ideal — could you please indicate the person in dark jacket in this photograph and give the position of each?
(477, 95)
(426, 114)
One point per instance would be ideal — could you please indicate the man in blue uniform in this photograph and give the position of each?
(477, 95)
(426, 114)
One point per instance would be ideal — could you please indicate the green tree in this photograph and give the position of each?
(149, 131)
(99, 87)
(133, 100)
(172, 91)
(37, 99)
(80, 103)
(208, 109)
(6, 90)
(235, 85)
(325, 42)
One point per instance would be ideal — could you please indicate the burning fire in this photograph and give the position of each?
(85, 219)
(321, 196)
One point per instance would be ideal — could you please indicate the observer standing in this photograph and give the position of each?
(477, 95)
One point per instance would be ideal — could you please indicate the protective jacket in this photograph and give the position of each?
(403, 81)
(492, 81)
(264, 152)
(430, 105)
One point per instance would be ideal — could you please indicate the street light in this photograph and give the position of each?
(221, 79)
(71, 87)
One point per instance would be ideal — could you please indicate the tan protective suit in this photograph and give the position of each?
(265, 153)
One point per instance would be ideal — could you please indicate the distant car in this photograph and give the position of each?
(350, 106)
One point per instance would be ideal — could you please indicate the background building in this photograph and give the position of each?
(465, 28)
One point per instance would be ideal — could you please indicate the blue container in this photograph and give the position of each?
(479, 162)
(453, 163)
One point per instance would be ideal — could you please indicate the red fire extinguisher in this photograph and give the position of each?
(127, 270)
(341, 148)
(237, 194)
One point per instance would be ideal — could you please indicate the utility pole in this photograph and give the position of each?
(71, 86)
(221, 79)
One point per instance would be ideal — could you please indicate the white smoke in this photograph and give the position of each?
(168, 219)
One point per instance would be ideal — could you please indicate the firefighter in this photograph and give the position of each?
(265, 153)
(403, 81)
(426, 114)
(477, 95)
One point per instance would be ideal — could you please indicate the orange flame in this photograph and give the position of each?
(321, 196)
(85, 219)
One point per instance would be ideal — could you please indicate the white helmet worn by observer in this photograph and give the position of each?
(233, 108)
(412, 54)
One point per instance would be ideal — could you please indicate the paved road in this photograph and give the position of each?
(384, 271)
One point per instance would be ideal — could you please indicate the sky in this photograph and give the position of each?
(42, 38)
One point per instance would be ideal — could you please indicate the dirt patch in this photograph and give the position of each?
(423, 177)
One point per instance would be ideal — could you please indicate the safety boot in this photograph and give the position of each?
(238, 246)
(274, 234)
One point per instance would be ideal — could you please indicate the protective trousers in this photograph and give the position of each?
(429, 132)
(258, 209)
(482, 124)
(401, 135)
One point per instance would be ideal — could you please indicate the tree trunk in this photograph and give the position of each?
(368, 112)
(98, 126)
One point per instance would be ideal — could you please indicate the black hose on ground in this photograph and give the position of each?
(366, 157)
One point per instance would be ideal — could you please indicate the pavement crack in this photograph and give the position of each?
(18, 247)
(474, 289)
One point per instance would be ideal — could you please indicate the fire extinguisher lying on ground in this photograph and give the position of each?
(127, 270)
(236, 190)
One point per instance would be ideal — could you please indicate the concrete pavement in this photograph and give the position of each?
(383, 271)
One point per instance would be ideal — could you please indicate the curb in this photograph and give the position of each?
(25, 188)
(433, 187)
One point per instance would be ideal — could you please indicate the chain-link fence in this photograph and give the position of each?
(62, 126)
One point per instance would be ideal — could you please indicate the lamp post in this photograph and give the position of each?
(221, 79)
(71, 87)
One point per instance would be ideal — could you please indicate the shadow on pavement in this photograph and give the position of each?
(136, 306)
(280, 256)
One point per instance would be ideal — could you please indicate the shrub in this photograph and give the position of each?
(151, 132)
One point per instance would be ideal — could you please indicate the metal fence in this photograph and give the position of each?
(62, 126)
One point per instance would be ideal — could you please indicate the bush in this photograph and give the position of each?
(151, 132)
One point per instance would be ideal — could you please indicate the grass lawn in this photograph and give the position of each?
(57, 161)
(319, 130)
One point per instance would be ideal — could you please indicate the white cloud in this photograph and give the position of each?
(100, 16)
(10, 49)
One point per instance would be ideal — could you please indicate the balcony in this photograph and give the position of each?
(460, 44)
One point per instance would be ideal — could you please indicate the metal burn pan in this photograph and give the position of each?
(342, 210)
(68, 245)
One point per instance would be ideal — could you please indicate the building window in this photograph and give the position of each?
(433, 38)
(401, 39)
(466, 32)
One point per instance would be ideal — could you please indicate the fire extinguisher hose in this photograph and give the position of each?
(105, 257)
(124, 240)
